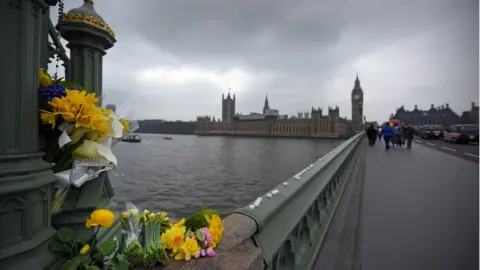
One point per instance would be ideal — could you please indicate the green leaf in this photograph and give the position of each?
(66, 235)
(107, 247)
(122, 265)
(91, 267)
(57, 246)
(98, 257)
(72, 264)
(85, 259)
(197, 220)
(71, 84)
(199, 235)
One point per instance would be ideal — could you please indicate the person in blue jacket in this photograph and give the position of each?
(387, 132)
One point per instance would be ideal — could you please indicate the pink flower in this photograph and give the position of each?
(211, 252)
(207, 237)
(202, 252)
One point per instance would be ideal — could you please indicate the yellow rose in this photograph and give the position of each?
(100, 217)
(85, 249)
(45, 80)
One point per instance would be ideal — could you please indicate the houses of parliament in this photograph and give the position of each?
(270, 123)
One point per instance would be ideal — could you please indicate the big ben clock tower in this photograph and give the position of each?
(357, 107)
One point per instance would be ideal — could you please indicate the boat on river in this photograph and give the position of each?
(167, 138)
(135, 138)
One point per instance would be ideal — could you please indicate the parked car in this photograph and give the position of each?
(461, 134)
(418, 130)
(432, 132)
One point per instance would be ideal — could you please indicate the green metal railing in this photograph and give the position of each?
(293, 218)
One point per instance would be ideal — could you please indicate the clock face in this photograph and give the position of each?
(356, 96)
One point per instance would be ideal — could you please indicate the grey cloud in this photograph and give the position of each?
(304, 44)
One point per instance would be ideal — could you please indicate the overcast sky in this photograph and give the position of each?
(174, 59)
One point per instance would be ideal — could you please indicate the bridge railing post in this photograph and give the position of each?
(25, 179)
(88, 37)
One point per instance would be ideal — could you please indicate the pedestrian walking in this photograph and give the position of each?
(409, 132)
(387, 132)
(371, 135)
(399, 136)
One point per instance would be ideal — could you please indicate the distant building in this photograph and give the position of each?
(228, 108)
(272, 123)
(441, 115)
(111, 107)
(471, 116)
(357, 106)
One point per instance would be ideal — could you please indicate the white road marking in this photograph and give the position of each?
(449, 149)
(431, 144)
(472, 155)
(418, 141)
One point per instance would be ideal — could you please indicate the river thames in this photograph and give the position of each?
(188, 173)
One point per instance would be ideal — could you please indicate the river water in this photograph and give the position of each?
(188, 173)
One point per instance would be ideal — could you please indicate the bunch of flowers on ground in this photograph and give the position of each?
(76, 133)
(152, 238)
(194, 237)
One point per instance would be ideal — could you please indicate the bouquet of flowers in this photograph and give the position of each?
(194, 237)
(143, 244)
(75, 133)
(189, 238)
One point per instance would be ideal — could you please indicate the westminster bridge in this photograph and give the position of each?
(354, 208)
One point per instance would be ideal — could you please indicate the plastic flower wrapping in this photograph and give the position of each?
(76, 134)
(153, 239)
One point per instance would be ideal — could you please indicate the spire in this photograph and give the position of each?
(357, 83)
(265, 105)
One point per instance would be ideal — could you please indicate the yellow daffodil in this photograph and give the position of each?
(86, 114)
(45, 80)
(106, 112)
(100, 217)
(126, 125)
(76, 98)
(61, 105)
(188, 250)
(91, 99)
(215, 226)
(84, 249)
(63, 108)
(173, 238)
(100, 125)
(48, 117)
(180, 224)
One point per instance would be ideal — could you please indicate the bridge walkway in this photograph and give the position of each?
(402, 210)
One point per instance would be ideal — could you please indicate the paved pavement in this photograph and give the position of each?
(419, 210)
(464, 151)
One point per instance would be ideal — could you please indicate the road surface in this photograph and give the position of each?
(406, 210)
(464, 151)
(419, 211)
